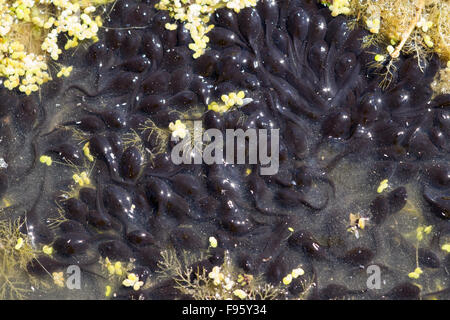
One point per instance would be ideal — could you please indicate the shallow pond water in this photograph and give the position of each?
(112, 193)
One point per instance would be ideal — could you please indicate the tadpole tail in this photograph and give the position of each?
(35, 155)
(83, 90)
(312, 206)
(101, 208)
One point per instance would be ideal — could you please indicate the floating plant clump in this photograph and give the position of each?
(101, 170)
(29, 35)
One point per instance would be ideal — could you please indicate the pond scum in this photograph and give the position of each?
(29, 52)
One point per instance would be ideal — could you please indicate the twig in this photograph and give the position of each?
(405, 35)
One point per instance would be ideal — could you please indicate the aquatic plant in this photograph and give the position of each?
(29, 34)
(418, 27)
(119, 273)
(441, 83)
(229, 101)
(222, 282)
(196, 16)
(16, 252)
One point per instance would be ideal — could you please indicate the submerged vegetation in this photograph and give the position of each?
(16, 252)
(223, 282)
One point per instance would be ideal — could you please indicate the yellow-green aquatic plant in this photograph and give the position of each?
(15, 253)
(196, 15)
(441, 83)
(418, 27)
(221, 283)
(29, 32)
(409, 25)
